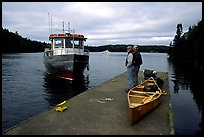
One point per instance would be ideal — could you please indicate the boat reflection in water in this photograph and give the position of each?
(57, 90)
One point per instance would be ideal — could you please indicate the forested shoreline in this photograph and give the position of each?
(186, 47)
(14, 43)
(123, 48)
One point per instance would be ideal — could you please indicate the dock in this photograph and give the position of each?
(102, 110)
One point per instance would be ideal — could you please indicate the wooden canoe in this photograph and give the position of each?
(142, 102)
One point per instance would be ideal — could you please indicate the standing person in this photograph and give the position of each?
(130, 68)
(137, 62)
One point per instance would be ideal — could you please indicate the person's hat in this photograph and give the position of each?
(135, 47)
(154, 72)
(129, 47)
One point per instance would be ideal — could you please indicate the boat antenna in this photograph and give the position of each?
(73, 38)
(68, 27)
(63, 27)
(49, 22)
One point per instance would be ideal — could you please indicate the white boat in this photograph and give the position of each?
(106, 52)
(66, 58)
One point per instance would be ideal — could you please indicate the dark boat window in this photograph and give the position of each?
(68, 43)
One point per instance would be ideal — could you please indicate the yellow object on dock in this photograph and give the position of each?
(61, 107)
(114, 80)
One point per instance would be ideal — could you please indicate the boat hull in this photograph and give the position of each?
(141, 102)
(68, 66)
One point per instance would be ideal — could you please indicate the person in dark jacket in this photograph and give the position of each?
(137, 62)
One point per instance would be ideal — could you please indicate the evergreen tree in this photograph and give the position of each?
(14, 43)
(179, 32)
(187, 48)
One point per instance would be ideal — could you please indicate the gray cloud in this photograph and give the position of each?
(103, 22)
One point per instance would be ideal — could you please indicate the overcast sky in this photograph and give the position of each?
(102, 23)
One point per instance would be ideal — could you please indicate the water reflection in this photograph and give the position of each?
(57, 90)
(186, 79)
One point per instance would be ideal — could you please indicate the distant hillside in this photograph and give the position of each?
(14, 43)
(123, 48)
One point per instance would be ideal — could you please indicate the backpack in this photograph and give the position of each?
(137, 59)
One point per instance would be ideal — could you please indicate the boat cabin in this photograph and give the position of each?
(66, 43)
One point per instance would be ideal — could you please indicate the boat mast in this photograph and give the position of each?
(68, 27)
(63, 27)
(73, 39)
(49, 22)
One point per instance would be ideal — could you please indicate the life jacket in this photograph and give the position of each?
(137, 59)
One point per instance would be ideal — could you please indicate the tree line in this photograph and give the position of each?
(14, 43)
(187, 47)
(123, 48)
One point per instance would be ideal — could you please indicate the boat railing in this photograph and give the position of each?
(47, 52)
(64, 51)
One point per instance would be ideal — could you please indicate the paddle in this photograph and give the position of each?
(142, 92)
(145, 100)
(134, 91)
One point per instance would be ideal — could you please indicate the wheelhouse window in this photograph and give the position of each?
(78, 44)
(68, 43)
(59, 43)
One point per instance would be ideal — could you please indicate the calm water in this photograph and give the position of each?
(187, 101)
(27, 90)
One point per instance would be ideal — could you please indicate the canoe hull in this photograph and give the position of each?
(139, 112)
(141, 102)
